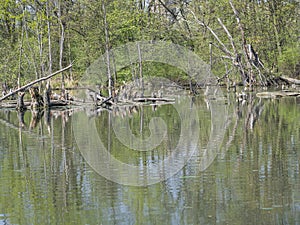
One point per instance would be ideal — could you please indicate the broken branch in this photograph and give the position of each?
(34, 82)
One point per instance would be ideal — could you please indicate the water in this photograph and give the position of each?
(250, 175)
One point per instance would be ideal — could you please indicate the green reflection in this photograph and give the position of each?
(254, 179)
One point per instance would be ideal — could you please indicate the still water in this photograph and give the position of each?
(244, 167)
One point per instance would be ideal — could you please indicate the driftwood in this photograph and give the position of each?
(290, 80)
(153, 99)
(276, 94)
(27, 104)
(34, 82)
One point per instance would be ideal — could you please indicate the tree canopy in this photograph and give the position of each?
(40, 36)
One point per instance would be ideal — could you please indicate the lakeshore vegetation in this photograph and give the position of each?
(38, 37)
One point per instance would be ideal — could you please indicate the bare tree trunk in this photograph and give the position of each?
(114, 73)
(141, 69)
(61, 46)
(49, 37)
(132, 66)
(245, 50)
(69, 56)
(20, 103)
(41, 46)
(223, 48)
(109, 77)
(46, 95)
(32, 54)
(47, 91)
(275, 25)
(40, 55)
(140, 61)
(20, 56)
(210, 58)
(236, 60)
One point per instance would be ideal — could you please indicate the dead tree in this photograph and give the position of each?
(47, 95)
(33, 83)
(246, 60)
(107, 46)
(20, 102)
(4, 88)
(36, 99)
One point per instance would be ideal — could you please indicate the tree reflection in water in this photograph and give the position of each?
(253, 180)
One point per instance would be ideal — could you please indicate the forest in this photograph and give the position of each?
(246, 143)
(244, 41)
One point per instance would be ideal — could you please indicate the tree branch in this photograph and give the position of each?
(224, 48)
(34, 82)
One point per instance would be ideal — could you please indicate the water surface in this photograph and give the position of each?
(251, 178)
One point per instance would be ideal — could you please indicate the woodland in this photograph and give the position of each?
(245, 42)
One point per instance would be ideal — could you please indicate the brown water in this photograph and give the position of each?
(251, 177)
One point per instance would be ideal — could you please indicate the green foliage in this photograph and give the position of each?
(270, 26)
(289, 61)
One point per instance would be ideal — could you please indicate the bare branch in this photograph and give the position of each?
(229, 36)
(224, 48)
(243, 41)
(35, 82)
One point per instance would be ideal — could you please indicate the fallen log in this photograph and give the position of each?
(27, 104)
(8, 105)
(34, 82)
(152, 99)
(275, 94)
(290, 80)
(58, 103)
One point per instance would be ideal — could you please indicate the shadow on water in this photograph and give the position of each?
(253, 178)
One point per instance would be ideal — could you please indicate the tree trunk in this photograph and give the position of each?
(36, 99)
(249, 76)
(21, 50)
(41, 49)
(140, 69)
(109, 77)
(46, 95)
(49, 37)
(20, 103)
(61, 46)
